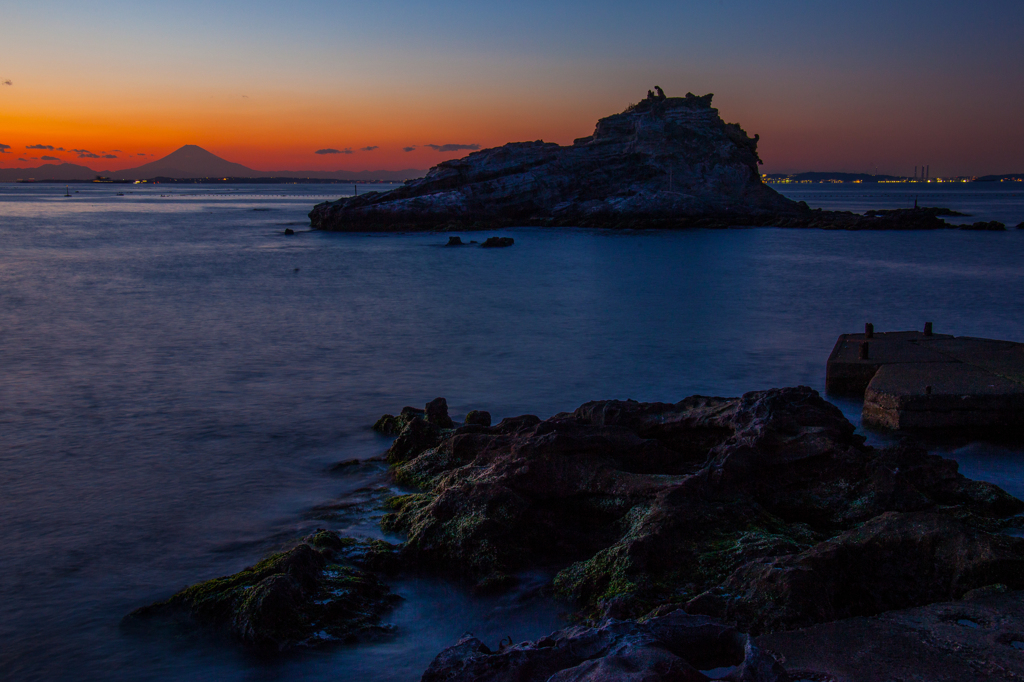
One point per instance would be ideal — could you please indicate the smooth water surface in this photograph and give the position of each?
(179, 376)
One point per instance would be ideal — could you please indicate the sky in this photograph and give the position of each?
(852, 86)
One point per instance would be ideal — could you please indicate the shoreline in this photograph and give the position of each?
(700, 507)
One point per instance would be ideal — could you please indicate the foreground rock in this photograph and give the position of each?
(309, 595)
(675, 647)
(766, 511)
(979, 638)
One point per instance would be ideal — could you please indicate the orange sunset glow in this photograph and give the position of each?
(267, 91)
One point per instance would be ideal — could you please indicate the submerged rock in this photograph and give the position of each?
(497, 242)
(455, 241)
(766, 510)
(674, 648)
(990, 226)
(309, 595)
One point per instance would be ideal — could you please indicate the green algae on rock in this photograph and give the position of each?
(704, 504)
(317, 592)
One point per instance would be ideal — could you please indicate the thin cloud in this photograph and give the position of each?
(88, 155)
(4, 148)
(81, 151)
(50, 158)
(141, 154)
(408, 149)
(369, 149)
(40, 146)
(110, 156)
(116, 150)
(346, 150)
(7, 81)
(60, 149)
(25, 160)
(451, 147)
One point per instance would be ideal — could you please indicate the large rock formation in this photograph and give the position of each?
(766, 511)
(664, 162)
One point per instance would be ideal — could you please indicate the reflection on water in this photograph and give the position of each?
(179, 378)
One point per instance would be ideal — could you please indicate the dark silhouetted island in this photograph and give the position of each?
(663, 163)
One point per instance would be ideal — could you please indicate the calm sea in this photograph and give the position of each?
(178, 377)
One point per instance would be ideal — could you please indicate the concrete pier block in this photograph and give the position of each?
(913, 380)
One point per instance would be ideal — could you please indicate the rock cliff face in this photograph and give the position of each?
(664, 162)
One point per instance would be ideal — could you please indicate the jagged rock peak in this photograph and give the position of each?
(664, 161)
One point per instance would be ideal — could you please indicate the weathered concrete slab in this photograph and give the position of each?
(1003, 358)
(974, 639)
(914, 380)
(955, 395)
(849, 373)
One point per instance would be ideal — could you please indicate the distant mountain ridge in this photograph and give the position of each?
(192, 161)
(189, 161)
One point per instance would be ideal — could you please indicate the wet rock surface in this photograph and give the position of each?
(766, 511)
(674, 647)
(322, 590)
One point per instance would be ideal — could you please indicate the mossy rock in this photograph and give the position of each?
(300, 597)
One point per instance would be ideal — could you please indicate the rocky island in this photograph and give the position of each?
(663, 163)
(673, 528)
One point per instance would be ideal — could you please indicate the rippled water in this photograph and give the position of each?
(178, 377)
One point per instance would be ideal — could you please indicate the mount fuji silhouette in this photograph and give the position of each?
(192, 161)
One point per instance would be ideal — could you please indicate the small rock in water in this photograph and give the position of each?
(991, 226)
(478, 418)
(455, 241)
(497, 242)
(289, 230)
